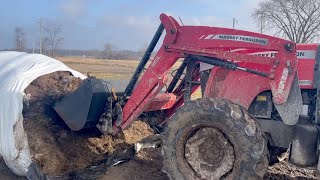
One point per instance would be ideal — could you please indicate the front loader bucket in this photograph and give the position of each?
(83, 108)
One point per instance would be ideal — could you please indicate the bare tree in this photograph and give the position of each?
(20, 39)
(53, 38)
(108, 51)
(40, 21)
(45, 45)
(297, 20)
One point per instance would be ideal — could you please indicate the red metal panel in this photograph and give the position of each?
(238, 86)
(306, 61)
(215, 82)
(161, 102)
(241, 87)
(306, 54)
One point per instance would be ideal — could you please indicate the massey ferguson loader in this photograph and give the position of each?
(260, 96)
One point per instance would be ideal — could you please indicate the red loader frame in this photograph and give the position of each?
(237, 75)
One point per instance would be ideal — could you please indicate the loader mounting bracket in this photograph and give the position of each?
(290, 110)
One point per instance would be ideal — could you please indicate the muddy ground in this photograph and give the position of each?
(63, 154)
(147, 165)
(56, 149)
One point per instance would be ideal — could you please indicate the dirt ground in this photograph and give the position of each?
(56, 149)
(6, 174)
(147, 165)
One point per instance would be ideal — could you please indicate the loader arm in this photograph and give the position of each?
(230, 51)
(212, 43)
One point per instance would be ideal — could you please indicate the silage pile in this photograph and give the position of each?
(58, 150)
(287, 171)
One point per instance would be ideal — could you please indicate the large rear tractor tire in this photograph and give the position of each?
(214, 139)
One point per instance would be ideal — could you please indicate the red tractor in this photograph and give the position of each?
(260, 97)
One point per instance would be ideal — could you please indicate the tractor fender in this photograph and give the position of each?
(242, 87)
(237, 86)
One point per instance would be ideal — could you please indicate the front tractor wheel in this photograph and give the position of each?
(214, 139)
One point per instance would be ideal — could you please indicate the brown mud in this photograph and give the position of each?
(284, 170)
(58, 150)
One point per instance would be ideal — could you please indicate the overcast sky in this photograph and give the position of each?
(128, 24)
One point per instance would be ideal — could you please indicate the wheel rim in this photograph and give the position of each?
(209, 153)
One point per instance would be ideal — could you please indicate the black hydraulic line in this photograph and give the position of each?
(177, 76)
(216, 62)
(226, 64)
(144, 60)
(253, 71)
(196, 83)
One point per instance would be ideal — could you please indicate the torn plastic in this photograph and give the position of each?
(17, 71)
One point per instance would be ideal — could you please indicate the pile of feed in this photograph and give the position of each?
(54, 147)
(284, 170)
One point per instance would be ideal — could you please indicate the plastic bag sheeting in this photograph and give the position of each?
(17, 71)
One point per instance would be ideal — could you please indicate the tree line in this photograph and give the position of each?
(51, 39)
(49, 42)
(296, 20)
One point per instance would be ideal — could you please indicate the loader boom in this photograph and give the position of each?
(238, 75)
(217, 45)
